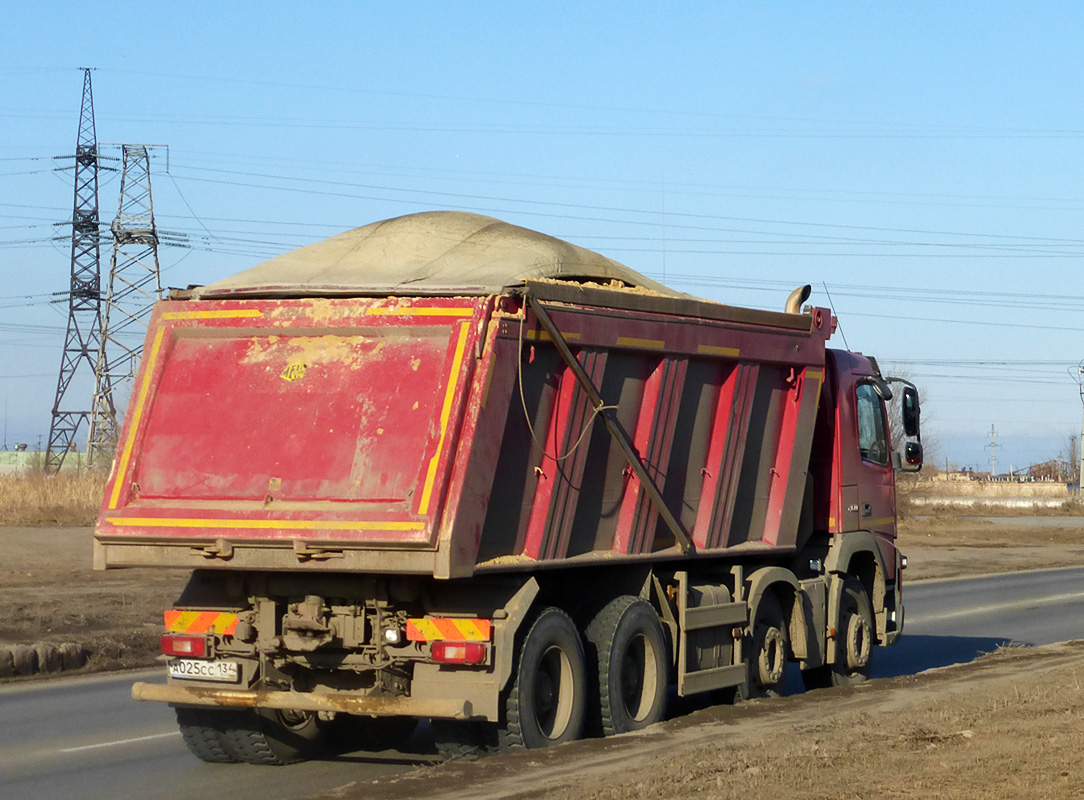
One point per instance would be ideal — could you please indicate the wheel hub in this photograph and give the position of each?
(859, 642)
(772, 658)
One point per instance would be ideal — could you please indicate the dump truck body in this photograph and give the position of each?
(445, 437)
(426, 499)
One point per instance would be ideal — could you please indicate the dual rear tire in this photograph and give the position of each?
(625, 665)
(560, 689)
(630, 667)
(266, 736)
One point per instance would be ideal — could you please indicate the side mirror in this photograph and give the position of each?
(911, 413)
(912, 457)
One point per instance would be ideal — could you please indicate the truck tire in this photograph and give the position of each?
(629, 667)
(204, 733)
(768, 649)
(547, 704)
(853, 642)
(272, 737)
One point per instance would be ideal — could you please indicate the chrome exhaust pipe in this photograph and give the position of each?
(797, 297)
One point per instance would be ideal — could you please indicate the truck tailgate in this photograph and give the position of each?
(328, 420)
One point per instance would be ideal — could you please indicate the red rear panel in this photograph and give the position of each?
(324, 419)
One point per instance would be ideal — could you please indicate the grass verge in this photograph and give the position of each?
(34, 498)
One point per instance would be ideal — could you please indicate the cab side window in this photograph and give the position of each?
(872, 433)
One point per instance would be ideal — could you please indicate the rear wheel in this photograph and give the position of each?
(769, 646)
(275, 737)
(546, 705)
(205, 733)
(852, 644)
(630, 666)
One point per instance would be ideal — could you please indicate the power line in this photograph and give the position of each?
(622, 209)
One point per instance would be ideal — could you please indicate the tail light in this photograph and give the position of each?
(459, 652)
(173, 644)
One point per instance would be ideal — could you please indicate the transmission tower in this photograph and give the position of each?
(83, 340)
(993, 452)
(133, 287)
(1080, 466)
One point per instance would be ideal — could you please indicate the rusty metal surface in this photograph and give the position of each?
(342, 702)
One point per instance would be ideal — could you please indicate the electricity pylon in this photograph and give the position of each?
(83, 339)
(134, 285)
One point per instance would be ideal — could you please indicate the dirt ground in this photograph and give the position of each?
(49, 593)
(1010, 725)
(947, 546)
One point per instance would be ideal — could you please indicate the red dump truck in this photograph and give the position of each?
(445, 467)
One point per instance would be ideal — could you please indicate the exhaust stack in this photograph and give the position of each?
(797, 297)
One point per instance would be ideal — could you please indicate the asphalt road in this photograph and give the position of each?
(84, 737)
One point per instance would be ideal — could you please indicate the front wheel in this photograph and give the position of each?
(769, 648)
(546, 705)
(852, 644)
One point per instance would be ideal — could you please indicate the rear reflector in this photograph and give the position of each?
(458, 652)
(453, 629)
(174, 645)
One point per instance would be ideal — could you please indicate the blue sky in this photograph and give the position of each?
(920, 162)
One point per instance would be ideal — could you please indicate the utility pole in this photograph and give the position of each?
(133, 287)
(993, 451)
(83, 339)
(1080, 464)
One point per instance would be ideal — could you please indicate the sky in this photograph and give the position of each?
(921, 165)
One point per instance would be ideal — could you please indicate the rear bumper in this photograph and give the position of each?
(340, 702)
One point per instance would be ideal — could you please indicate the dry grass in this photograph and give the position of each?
(34, 498)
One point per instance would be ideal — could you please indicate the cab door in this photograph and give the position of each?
(876, 484)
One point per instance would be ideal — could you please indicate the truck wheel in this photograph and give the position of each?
(630, 666)
(275, 737)
(204, 733)
(546, 705)
(766, 659)
(853, 642)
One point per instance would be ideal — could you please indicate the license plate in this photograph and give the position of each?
(191, 669)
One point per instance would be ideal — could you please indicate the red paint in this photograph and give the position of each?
(367, 422)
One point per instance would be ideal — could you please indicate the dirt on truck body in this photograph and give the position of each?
(445, 467)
